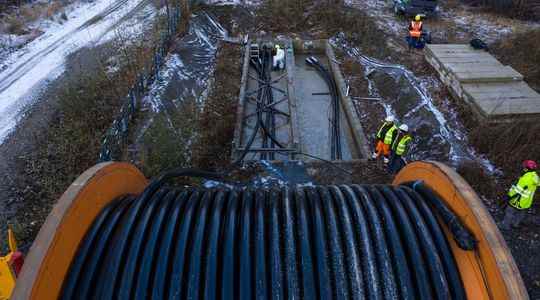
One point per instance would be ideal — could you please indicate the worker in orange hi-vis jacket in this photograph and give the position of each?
(415, 31)
(384, 139)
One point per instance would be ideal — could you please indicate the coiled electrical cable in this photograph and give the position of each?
(325, 242)
(265, 113)
(335, 122)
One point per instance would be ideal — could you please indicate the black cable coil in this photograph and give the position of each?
(326, 242)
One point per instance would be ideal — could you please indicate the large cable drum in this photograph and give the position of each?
(115, 235)
(327, 242)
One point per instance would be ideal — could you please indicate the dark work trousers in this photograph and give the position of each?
(513, 217)
(396, 163)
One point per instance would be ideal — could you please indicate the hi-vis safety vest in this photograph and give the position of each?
(388, 136)
(416, 29)
(401, 147)
(384, 128)
(522, 194)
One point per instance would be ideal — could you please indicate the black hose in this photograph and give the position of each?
(416, 261)
(388, 281)
(463, 237)
(264, 111)
(325, 242)
(427, 246)
(335, 124)
(454, 281)
(393, 240)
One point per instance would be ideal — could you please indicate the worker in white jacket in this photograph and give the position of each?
(278, 61)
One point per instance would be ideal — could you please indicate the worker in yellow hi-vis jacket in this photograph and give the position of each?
(521, 195)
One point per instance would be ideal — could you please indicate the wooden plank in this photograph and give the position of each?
(511, 93)
(476, 60)
(505, 107)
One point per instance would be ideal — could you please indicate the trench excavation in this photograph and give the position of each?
(299, 112)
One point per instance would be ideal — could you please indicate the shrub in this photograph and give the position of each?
(15, 25)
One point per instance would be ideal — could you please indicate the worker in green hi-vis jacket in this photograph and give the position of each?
(520, 196)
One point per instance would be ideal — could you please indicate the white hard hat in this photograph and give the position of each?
(404, 127)
(390, 119)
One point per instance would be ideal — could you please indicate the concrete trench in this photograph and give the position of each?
(304, 96)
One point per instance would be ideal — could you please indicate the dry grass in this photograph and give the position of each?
(284, 15)
(324, 19)
(167, 142)
(507, 145)
(480, 180)
(14, 25)
(217, 120)
(85, 109)
(522, 52)
(523, 9)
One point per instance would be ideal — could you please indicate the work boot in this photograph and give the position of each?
(374, 155)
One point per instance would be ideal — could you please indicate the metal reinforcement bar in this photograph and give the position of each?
(326, 242)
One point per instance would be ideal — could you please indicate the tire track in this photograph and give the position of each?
(7, 80)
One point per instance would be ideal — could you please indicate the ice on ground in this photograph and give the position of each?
(31, 67)
(187, 72)
(233, 2)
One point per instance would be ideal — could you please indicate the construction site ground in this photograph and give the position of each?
(375, 62)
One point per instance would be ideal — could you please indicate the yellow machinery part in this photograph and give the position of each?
(7, 278)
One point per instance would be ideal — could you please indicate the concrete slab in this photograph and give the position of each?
(487, 76)
(500, 107)
(499, 87)
(497, 92)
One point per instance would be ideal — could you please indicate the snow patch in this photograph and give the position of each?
(42, 60)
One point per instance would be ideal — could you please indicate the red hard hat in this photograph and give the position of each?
(530, 165)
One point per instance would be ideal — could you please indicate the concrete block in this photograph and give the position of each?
(494, 91)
